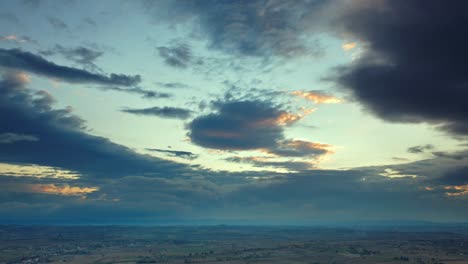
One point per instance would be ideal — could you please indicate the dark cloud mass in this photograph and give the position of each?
(413, 68)
(457, 176)
(455, 156)
(26, 61)
(63, 141)
(164, 112)
(254, 125)
(238, 125)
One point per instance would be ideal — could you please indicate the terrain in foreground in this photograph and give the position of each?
(232, 244)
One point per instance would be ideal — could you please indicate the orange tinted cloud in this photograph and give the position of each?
(300, 148)
(36, 171)
(457, 190)
(308, 145)
(65, 189)
(349, 46)
(9, 38)
(285, 118)
(14, 38)
(317, 97)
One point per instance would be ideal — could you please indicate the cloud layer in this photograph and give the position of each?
(251, 28)
(412, 68)
(26, 61)
(63, 141)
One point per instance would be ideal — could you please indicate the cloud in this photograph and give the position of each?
(36, 171)
(250, 28)
(455, 156)
(145, 93)
(204, 196)
(349, 46)
(65, 189)
(457, 190)
(80, 55)
(419, 149)
(163, 112)
(390, 173)
(31, 3)
(263, 162)
(172, 85)
(26, 61)
(177, 55)
(176, 153)
(17, 39)
(299, 148)
(255, 125)
(10, 138)
(458, 176)
(91, 22)
(240, 125)
(405, 74)
(9, 17)
(64, 142)
(318, 97)
(57, 23)
(17, 59)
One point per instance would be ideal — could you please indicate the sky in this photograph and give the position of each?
(223, 111)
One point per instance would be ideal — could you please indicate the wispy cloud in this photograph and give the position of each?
(318, 97)
(164, 112)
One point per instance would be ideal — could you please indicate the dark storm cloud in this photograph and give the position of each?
(238, 125)
(413, 66)
(457, 176)
(63, 141)
(175, 153)
(419, 149)
(178, 55)
(164, 112)
(80, 55)
(248, 27)
(26, 61)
